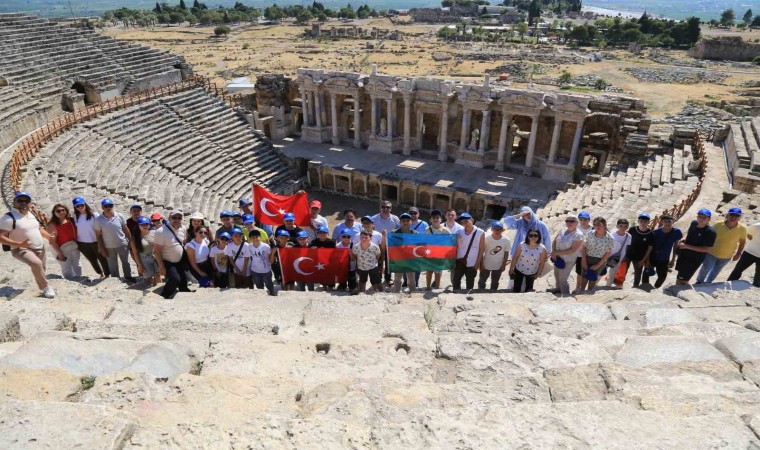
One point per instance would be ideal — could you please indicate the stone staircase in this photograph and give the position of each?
(188, 151)
(653, 184)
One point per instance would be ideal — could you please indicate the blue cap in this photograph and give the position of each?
(371, 220)
(322, 229)
(302, 234)
(106, 201)
(79, 201)
(737, 211)
(244, 202)
(237, 214)
(237, 230)
(645, 216)
(135, 206)
(559, 263)
(591, 275)
(248, 218)
(584, 215)
(704, 212)
(498, 224)
(405, 216)
(225, 213)
(283, 233)
(464, 215)
(143, 221)
(347, 232)
(289, 216)
(225, 235)
(22, 194)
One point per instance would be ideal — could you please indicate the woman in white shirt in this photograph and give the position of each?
(87, 241)
(197, 255)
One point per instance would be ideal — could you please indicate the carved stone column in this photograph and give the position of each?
(576, 143)
(466, 119)
(334, 118)
(485, 132)
(318, 109)
(511, 133)
(506, 120)
(357, 123)
(555, 139)
(373, 109)
(407, 126)
(391, 131)
(444, 138)
(304, 108)
(528, 170)
(420, 131)
(323, 102)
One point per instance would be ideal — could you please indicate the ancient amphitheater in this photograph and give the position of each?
(109, 366)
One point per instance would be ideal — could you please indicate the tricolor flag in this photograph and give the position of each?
(269, 208)
(314, 265)
(421, 252)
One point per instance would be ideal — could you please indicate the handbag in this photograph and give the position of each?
(184, 261)
(614, 260)
(68, 247)
(461, 263)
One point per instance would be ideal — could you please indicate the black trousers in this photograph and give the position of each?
(638, 273)
(661, 267)
(469, 276)
(745, 261)
(176, 279)
(99, 262)
(352, 282)
(519, 277)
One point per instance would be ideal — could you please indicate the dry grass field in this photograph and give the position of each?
(251, 50)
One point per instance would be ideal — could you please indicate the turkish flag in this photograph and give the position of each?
(314, 265)
(269, 208)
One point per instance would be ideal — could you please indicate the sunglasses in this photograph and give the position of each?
(60, 210)
(385, 207)
(175, 217)
(23, 201)
(533, 235)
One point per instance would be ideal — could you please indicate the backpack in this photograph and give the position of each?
(6, 247)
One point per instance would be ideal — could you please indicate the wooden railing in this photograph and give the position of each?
(680, 208)
(28, 148)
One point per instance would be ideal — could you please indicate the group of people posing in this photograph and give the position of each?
(242, 253)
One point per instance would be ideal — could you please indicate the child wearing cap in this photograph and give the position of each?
(316, 220)
(240, 258)
(262, 258)
(142, 244)
(282, 240)
(731, 236)
(220, 260)
(692, 250)
(436, 227)
(345, 242)
(322, 240)
(640, 249)
(291, 227)
(249, 226)
(495, 255)
(302, 240)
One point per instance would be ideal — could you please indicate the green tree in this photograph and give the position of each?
(600, 84)
(522, 29)
(157, 8)
(322, 17)
(304, 16)
(182, 4)
(446, 33)
(727, 17)
(747, 18)
(692, 30)
(222, 30)
(176, 17)
(274, 13)
(644, 23)
(755, 22)
(565, 77)
(534, 11)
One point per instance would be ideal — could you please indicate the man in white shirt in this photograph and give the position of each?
(316, 220)
(495, 255)
(25, 235)
(750, 256)
(469, 252)
(451, 222)
(368, 225)
(168, 251)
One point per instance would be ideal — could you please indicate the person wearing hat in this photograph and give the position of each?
(349, 222)
(262, 258)
(528, 261)
(302, 240)
(249, 225)
(385, 222)
(495, 255)
(470, 245)
(227, 225)
(524, 221)
(666, 238)
(417, 225)
(113, 240)
(346, 242)
(170, 255)
(751, 255)
(25, 235)
(142, 245)
(619, 254)
(322, 240)
(156, 220)
(316, 219)
(436, 227)
(239, 257)
(246, 207)
(692, 250)
(731, 237)
(405, 228)
(640, 249)
(220, 261)
(291, 227)
(597, 247)
(197, 220)
(566, 248)
(84, 219)
(282, 240)
(135, 212)
(368, 225)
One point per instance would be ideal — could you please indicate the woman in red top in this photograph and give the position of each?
(64, 242)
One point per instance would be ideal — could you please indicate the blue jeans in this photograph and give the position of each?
(711, 267)
(263, 279)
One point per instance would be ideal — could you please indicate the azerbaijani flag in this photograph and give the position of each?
(421, 252)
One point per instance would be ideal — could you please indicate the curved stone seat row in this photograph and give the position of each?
(160, 154)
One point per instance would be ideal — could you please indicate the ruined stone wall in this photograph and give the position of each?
(732, 48)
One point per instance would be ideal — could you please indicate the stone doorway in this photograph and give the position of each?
(495, 212)
(441, 202)
(390, 192)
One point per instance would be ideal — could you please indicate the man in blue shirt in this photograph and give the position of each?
(663, 248)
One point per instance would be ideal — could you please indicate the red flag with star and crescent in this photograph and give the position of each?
(314, 265)
(269, 208)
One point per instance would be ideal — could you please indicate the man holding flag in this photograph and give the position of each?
(410, 252)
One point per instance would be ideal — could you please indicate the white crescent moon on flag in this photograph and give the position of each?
(263, 206)
(414, 251)
(298, 261)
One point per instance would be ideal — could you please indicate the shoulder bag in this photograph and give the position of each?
(461, 263)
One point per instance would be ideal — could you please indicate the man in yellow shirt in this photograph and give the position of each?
(250, 225)
(730, 234)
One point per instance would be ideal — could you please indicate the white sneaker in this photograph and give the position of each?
(48, 292)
